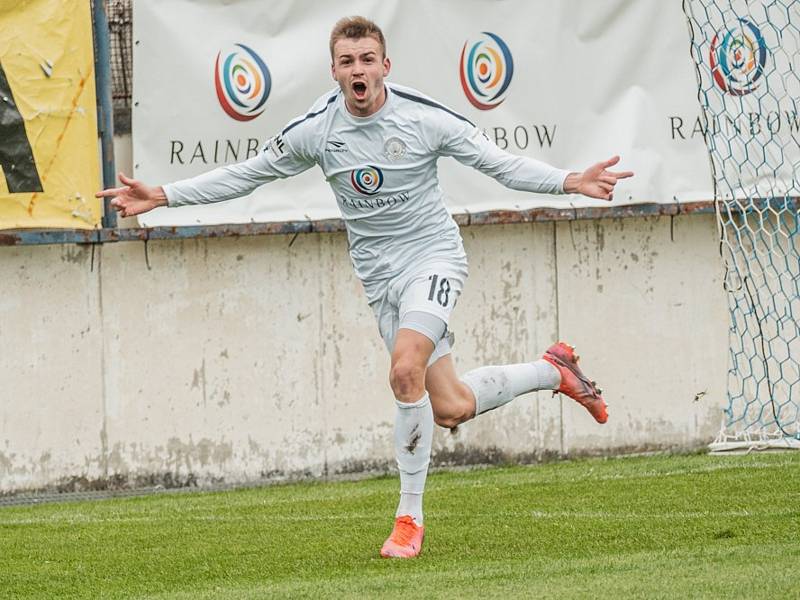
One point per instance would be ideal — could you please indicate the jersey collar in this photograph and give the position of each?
(373, 117)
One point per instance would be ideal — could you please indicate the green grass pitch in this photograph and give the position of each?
(645, 527)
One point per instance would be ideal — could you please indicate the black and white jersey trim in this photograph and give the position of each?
(428, 102)
(291, 126)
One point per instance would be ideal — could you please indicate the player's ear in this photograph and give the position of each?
(387, 66)
(333, 70)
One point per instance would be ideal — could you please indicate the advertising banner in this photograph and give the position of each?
(49, 166)
(750, 87)
(570, 82)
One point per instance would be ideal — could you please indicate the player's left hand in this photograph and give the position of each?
(596, 181)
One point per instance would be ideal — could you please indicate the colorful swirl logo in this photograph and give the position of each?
(367, 181)
(243, 82)
(738, 57)
(486, 70)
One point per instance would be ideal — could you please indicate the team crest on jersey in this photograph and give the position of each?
(394, 148)
(367, 181)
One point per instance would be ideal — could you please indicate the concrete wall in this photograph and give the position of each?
(236, 359)
(232, 360)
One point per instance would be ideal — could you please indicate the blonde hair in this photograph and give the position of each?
(356, 28)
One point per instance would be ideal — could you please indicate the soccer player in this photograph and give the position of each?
(377, 144)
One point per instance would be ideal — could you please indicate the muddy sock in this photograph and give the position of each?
(413, 433)
(495, 386)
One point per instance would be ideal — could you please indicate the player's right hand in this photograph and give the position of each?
(134, 197)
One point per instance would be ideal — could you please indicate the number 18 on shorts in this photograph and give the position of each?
(434, 290)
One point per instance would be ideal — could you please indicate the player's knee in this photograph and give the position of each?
(407, 380)
(452, 416)
(446, 421)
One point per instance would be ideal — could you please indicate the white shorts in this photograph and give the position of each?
(432, 287)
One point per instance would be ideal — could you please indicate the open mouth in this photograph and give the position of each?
(360, 90)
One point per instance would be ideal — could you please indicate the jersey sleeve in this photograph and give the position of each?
(281, 157)
(470, 146)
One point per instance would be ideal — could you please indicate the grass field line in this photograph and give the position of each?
(361, 517)
(592, 475)
(525, 475)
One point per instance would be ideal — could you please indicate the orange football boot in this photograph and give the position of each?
(405, 540)
(574, 383)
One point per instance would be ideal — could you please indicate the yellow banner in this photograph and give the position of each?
(49, 165)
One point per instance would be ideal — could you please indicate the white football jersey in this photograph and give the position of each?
(382, 170)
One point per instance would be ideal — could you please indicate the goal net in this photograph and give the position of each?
(747, 59)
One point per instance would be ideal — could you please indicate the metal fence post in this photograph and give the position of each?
(105, 108)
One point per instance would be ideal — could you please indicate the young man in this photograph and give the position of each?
(405, 247)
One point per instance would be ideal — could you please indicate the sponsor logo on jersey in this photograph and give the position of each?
(242, 81)
(738, 56)
(336, 146)
(486, 69)
(394, 148)
(367, 181)
(372, 203)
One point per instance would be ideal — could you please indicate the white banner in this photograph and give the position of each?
(577, 81)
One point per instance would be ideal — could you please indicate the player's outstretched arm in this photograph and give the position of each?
(467, 144)
(134, 197)
(277, 161)
(596, 181)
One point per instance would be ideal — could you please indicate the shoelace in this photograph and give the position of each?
(404, 530)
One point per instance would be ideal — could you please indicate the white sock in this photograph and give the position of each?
(413, 434)
(495, 386)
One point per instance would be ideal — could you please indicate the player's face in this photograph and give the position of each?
(359, 68)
